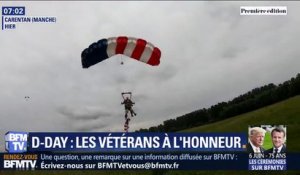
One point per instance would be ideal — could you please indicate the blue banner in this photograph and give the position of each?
(134, 142)
(124, 161)
(13, 10)
(138, 161)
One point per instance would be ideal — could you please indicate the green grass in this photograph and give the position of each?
(286, 113)
(268, 141)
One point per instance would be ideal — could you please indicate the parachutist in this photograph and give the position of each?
(128, 103)
(128, 107)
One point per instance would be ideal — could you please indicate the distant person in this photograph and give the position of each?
(256, 140)
(128, 107)
(278, 139)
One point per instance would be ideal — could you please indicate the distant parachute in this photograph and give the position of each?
(138, 49)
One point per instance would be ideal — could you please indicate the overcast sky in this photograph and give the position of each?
(210, 54)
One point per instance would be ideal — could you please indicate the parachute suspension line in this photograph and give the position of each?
(122, 62)
(124, 94)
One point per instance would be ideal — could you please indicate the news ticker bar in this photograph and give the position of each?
(124, 161)
(143, 161)
(20, 142)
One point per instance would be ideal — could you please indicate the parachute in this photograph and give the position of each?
(138, 49)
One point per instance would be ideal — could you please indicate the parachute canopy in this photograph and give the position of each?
(135, 48)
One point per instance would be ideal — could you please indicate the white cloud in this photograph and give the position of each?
(209, 54)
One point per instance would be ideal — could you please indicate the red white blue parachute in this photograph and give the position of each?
(135, 48)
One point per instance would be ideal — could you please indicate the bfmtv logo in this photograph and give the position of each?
(16, 142)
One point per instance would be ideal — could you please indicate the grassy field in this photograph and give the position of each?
(286, 112)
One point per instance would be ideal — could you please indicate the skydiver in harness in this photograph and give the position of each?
(128, 103)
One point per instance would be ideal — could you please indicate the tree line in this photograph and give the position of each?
(252, 100)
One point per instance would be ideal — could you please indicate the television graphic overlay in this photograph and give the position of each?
(267, 147)
(16, 142)
(124, 151)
